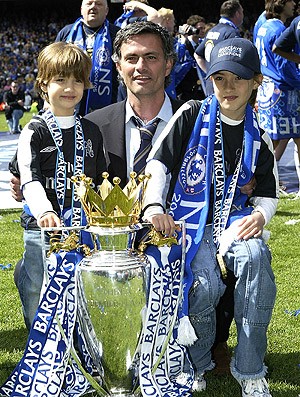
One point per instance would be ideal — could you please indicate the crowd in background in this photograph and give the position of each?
(25, 31)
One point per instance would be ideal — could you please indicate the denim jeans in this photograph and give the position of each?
(13, 123)
(254, 299)
(31, 275)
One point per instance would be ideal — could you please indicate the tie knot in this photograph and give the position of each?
(147, 129)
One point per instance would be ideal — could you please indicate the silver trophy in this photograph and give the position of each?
(112, 297)
(112, 281)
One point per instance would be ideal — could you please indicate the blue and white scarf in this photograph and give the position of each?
(47, 366)
(75, 216)
(202, 163)
(101, 75)
(50, 365)
(123, 19)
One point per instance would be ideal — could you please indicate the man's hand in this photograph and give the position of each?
(15, 188)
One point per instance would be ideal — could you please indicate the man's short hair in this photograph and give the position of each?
(194, 19)
(229, 8)
(140, 28)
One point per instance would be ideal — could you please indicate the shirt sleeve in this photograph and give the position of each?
(287, 40)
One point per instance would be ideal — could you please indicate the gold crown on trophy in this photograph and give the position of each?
(111, 206)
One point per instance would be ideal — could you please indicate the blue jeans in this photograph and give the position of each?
(13, 123)
(254, 299)
(31, 275)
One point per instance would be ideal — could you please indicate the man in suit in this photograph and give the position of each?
(144, 57)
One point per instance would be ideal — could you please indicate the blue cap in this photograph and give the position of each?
(236, 55)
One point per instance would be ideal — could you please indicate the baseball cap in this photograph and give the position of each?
(236, 55)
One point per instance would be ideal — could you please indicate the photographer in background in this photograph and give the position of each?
(192, 86)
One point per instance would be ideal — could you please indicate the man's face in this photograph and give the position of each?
(94, 12)
(239, 15)
(143, 66)
(14, 88)
(288, 10)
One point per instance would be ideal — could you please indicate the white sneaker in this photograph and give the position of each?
(199, 383)
(255, 388)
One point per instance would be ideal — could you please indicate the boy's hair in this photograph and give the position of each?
(139, 28)
(229, 8)
(62, 59)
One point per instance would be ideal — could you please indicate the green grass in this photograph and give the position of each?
(24, 120)
(283, 357)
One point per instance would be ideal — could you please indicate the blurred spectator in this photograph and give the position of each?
(231, 17)
(95, 34)
(191, 86)
(19, 47)
(27, 101)
(14, 110)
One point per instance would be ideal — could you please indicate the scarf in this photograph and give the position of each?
(203, 162)
(50, 365)
(101, 75)
(122, 21)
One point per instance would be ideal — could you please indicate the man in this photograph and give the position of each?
(232, 16)
(95, 34)
(14, 110)
(144, 56)
(191, 85)
(261, 19)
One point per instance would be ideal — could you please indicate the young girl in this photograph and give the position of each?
(213, 149)
(53, 147)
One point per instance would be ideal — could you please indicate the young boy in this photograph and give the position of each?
(213, 149)
(52, 148)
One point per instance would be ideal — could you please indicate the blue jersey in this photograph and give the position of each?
(261, 20)
(283, 72)
(222, 31)
(289, 40)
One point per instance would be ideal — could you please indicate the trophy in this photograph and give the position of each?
(112, 281)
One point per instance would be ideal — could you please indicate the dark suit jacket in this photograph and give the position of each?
(111, 123)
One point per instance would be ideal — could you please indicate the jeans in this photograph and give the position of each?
(31, 275)
(13, 123)
(254, 298)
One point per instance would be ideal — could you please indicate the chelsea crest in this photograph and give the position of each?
(192, 172)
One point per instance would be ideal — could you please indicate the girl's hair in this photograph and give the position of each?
(62, 59)
(252, 100)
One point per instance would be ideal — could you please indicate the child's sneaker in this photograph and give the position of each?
(199, 383)
(255, 388)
